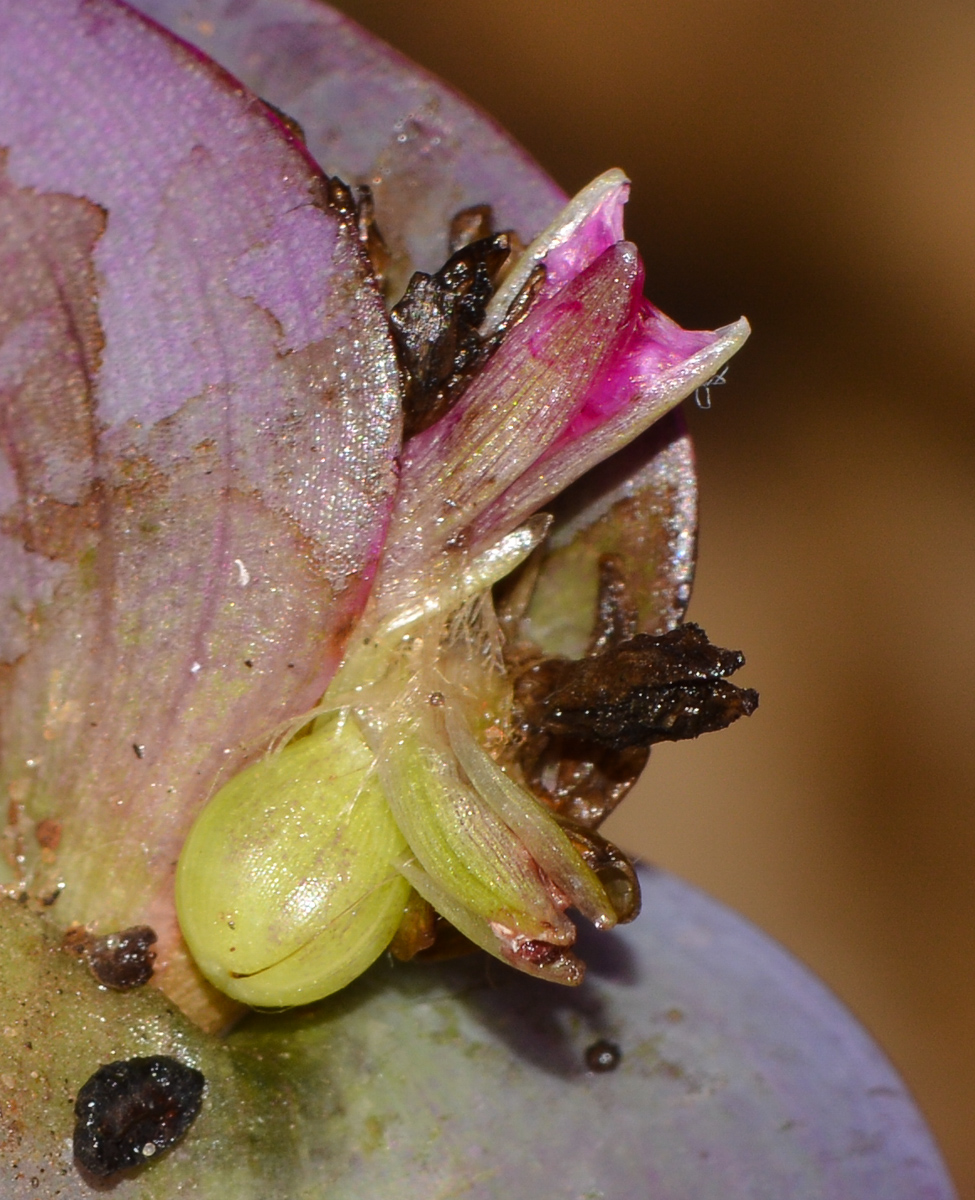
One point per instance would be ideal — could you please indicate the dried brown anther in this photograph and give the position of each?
(579, 779)
(583, 730)
(648, 689)
(356, 210)
(417, 931)
(436, 328)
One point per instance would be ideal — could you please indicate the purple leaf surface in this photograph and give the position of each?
(371, 116)
(740, 1078)
(200, 415)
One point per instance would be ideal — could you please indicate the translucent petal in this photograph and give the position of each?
(457, 838)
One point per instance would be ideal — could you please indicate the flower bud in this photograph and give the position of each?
(285, 890)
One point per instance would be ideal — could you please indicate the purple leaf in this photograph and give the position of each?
(739, 1078)
(372, 116)
(201, 409)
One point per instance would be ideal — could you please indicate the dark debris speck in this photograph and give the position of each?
(129, 1111)
(123, 960)
(603, 1056)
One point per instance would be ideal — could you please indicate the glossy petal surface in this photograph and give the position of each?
(201, 409)
(741, 1078)
(356, 98)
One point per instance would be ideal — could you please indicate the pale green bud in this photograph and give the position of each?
(285, 890)
(484, 853)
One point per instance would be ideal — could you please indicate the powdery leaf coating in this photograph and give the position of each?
(201, 413)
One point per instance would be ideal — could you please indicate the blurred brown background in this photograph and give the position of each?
(813, 166)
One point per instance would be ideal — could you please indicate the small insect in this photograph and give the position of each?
(130, 1110)
(123, 960)
(704, 401)
(603, 1056)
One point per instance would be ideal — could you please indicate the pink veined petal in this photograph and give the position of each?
(656, 365)
(516, 407)
(201, 413)
(588, 226)
(602, 229)
(588, 370)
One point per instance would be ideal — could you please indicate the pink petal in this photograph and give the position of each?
(516, 407)
(655, 365)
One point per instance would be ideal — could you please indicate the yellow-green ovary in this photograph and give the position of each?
(285, 889)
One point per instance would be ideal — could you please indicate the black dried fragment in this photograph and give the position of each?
(131, 1110)
(436, 328)
(578, 778)
(123, 960)
(603, 1056)
(648, 689)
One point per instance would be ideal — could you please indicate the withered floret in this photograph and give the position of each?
(436, 328)
(649, 689)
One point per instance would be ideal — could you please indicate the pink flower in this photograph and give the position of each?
(209, 522)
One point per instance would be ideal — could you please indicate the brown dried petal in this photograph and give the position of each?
(436, 329)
